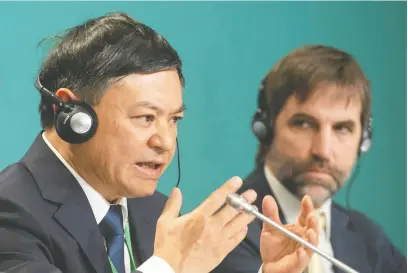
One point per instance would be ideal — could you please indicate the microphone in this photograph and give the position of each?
(239, 203)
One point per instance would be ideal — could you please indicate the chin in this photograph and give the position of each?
(142, 188)
(147, 191)
(318, 194)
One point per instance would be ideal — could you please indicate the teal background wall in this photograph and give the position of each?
(226, 48)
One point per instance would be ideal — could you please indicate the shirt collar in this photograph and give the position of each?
(100, 206)
(290, 204)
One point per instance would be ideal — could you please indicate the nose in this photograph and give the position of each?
(322, 142)
(162, 140)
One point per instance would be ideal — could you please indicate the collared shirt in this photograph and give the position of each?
(291, 207)
(100, 207)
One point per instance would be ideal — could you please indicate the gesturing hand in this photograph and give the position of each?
(198, 241)
(281, 254)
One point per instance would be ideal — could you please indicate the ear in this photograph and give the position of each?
(66, 95)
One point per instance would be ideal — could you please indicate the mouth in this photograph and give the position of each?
(318, 171)
(149, 170)
(316, 177)
(317, 174)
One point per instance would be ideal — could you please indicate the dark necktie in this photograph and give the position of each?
(112, 230)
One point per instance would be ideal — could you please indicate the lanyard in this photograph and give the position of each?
(129, 247)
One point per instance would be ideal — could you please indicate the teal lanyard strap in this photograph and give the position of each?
(129, 247)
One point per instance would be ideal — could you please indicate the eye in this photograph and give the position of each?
(176, 119)
(343, 129)
(145, 119)
(301, 123)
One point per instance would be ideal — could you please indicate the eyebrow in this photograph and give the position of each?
(160, 111)
(301, 115)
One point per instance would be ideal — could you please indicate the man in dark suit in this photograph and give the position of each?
(83, 198)
(313, 122)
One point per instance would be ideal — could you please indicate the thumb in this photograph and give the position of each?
(173, 204)
(270, 210)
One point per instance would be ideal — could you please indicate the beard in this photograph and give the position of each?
(294, 174)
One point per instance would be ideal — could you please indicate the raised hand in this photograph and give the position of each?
(281, 254)
(198, 241)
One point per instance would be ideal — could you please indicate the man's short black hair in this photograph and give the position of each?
(92, 55)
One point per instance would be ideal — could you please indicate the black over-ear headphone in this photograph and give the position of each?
(74, 121)
(262, 123)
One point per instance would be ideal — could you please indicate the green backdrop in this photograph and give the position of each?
(226, 48)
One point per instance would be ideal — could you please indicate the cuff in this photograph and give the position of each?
(155, 264)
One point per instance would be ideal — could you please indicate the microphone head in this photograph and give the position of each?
(235, 201)
(240, 203)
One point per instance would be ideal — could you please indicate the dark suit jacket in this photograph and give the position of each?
(47, 224)
(356, 240)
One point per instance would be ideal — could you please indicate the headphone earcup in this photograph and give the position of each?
(365, 145)
(366, 137)
(365, 141)
(260, 127)
(77, 125)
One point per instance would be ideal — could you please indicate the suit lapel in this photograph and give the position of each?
(76, 216)
(348, 246)
(258, 182)
(142, 221)
(74, 212)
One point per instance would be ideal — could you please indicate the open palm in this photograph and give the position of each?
(280, 253)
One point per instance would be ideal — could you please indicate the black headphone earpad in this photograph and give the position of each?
(261, 128)
(76, 125)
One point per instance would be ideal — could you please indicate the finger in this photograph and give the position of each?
(313, 238)
(227, 213)
(295, 262)
(234, 240)
(218, 197)
(313, 223)
(173, 204)
(270, 210)
(238, 223)
(306, 209)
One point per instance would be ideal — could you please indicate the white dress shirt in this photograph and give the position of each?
(100, 207)
(290, 206)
